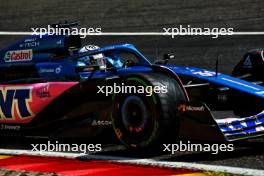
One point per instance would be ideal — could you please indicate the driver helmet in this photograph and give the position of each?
(88, 48)
(97, 59)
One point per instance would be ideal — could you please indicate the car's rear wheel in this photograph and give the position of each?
(140, 120)
(245, 105)
(250, 68)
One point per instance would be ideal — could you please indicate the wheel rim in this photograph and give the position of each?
(134, 114)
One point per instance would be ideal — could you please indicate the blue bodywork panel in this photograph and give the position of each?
(221, 79)
(43, 53)
(43, 48)
(48, 65)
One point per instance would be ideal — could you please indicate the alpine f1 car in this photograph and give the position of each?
(52, 86)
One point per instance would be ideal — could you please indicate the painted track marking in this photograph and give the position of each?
(63, 166)
(5, 156)
(143, 162)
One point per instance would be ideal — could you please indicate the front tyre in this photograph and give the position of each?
(141, 119)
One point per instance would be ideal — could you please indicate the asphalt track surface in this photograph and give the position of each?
(152, 16)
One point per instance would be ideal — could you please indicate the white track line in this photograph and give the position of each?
(15, 33)
(135, 161)
(133, 33)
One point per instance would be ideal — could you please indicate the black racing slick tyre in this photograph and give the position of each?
(141, 119)
(250, 68)
(244, 105)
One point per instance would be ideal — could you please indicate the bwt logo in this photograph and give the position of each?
(15, 102)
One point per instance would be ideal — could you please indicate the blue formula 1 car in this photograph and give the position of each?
(55, 87)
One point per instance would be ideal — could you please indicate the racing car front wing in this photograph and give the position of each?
(239, 128)
(197, 122)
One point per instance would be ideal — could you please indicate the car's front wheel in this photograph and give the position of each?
(141, 120)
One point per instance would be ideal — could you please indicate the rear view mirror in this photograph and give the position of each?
(168, 56)
(165, 59)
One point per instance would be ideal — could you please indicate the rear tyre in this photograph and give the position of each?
(244, 105)
(140, 120)
(250, 68)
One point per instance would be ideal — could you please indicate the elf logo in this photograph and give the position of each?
(14, 102)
